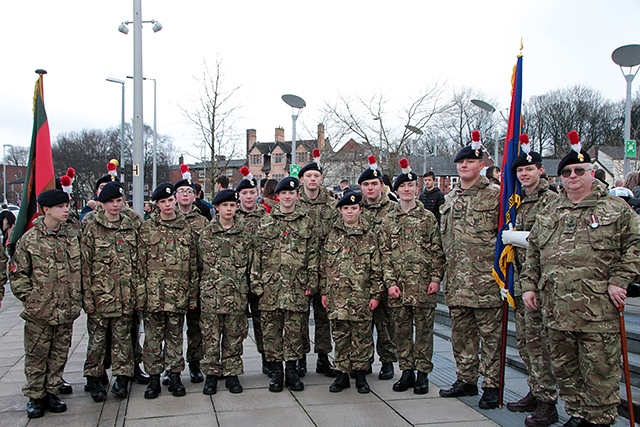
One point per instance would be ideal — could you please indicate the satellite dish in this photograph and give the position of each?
(627, 56)
(484, 105)
(294, 101)
(414, 129)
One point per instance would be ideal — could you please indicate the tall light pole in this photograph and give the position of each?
(419, 132)
(489, 109)
(138, 123)
(627, 56)
(121, 82)
(154, 176)
(297, 104)
(4, 172)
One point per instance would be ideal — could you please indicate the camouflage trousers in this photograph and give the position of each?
(136, 320)
(383, 326)
(587, 367)
(223, 335)
(256, 321)
(472, 328)
(531, 337)
(119, 331)
(281, 333)
(414, 354)
(353, 344)
(46, 348)
(159, 327)
(322, 337)
(194, 335)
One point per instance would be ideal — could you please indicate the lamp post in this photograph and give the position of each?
(121, 82)
(4, 172)
(627, 56)
(154, 174)
(297, 104)
(138, 123)
(419, 132)
(489, 109)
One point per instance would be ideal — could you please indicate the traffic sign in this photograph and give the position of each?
(294, 170)
(630, 148)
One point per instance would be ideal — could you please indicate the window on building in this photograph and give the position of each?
(255, 159)
(454, 181)
(303, 156)
(278, 158)
(229, 172)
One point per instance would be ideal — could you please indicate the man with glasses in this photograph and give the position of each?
(583, 252)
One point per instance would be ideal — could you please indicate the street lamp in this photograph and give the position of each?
(4, 172)
(419, 132)
(489, 109)
(627, 56)
(112, 80)
(297, 104)
(138, 123)
(155, 132)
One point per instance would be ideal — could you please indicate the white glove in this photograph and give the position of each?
(503, 293)
(515, 238)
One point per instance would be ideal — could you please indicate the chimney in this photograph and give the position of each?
(320, 143)
(251, 139)
(279, 134)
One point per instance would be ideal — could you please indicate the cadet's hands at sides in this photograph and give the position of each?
(433, 288)
(323, 298)
(617, 295)
(530, 300)
(373, 303)
(395, 292)
(307, 293)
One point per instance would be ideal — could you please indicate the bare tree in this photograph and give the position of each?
(213, 117)
(17, 156)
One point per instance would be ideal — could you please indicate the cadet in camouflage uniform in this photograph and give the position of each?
(530, 331)
(376, 206)
(351, 286)
(320, 207)
(186, 197)
(109, 246)
(469, 225)
(413, 268)
(225, 264)
(284, 274)
(584, 250)
(169, 287)
(45, 277)
(251, 211)
(3, 273)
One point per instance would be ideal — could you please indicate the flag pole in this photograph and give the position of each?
(625, 362)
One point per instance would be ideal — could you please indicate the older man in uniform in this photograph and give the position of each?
(469, 225)
(584, 249)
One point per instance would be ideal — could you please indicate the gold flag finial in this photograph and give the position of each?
(521, 45)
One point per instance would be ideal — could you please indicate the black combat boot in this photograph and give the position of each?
(527, 404)
(95, 387)
(195, 372)
(408, 379)
(301, 366)
(291, 378)
(489, 399)
(165, 377)
(233, 384)
(35, 408)
(422, 383)
(277, 378)
(52, 403)
(65, 388)
(386, 372)
(139, 376)
(266, 368)
(324, 366)
(175, 384)
(103, 379)
(120, 386)
(210, 385)
(340, 383)
(460, 388)
(361, 382)
(153, 389)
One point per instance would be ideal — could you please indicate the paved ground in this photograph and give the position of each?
(256, 406)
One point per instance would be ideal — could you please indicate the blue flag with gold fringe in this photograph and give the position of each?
(503, 267)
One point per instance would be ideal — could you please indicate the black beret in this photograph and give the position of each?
(246, 183)
(469, 153)
(225, 196)
(404, 177)
(573, 158)
(313, 166)
(527, 159)
(183, 183)
(288, 183)
(53, 198)
(112, 190)
(106, 178)
(369, 174)
(349, 198)
(163, 191)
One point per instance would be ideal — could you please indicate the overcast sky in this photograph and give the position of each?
(312, 49)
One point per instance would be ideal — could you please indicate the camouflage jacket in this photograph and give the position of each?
(196, 220)
(285, 260)
(110, 268)
(225, 264)
(375, 213)
(350, 271)
(3, 273)
(468, 226)
(322, 212)
(530, 205)
(575, 252)
(169, 265)
(252, 219)
(135, 217)
(45, 274)
(412, 255)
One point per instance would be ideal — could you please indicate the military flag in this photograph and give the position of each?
(40, 176)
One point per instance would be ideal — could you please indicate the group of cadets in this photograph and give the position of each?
(368, 266)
